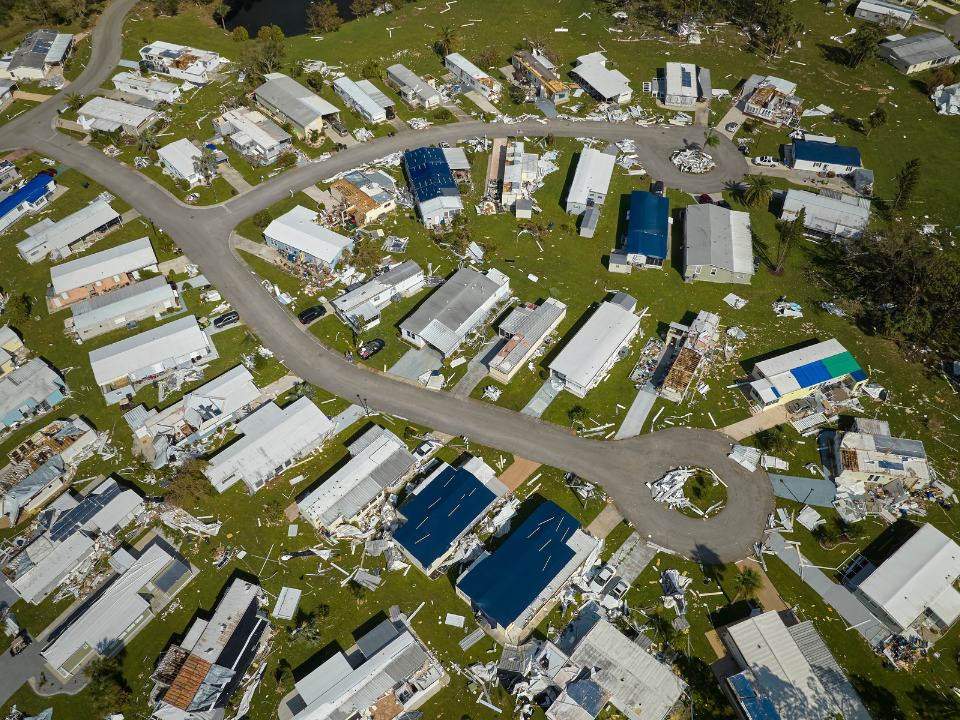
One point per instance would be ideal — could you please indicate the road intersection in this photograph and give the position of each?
(621, 467)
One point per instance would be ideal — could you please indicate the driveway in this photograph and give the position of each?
(621, 467)
(755, 423)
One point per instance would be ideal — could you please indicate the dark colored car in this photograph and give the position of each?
(341, 130)
(226, 319)
(371, 348)
(658, 188)
(50, 172)
(311, 314)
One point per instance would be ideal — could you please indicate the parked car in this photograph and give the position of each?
(705, 199)
(766, 161)
(600, 580)
(226, 319)
(340, 129)
(618, 590)
(659, 188)
(444, 144)
(311, 314)
(371, 348)
(19, 645)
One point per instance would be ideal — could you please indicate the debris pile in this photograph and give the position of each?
(693, 161)
(787, 309)
(419, 123)
(746, 456)
(674, 586)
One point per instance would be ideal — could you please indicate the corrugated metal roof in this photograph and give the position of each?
(101, 108)
(293, 99)
(60, 235)
(631, 676)
(829, 212)
(153, 349)
(600, 338)
(353, 94)
(350, 301)
(375, 94)
(429, 174)
(31, 192)
(605, 82)
(36, 380)
(717, 237)
(236, 601)
(299, 230)
(797, 358)
(648, 230)
(271, 437)
(122, 302)
(923, 48)
(378, 462)
(915, 576)
(780, 667)
(106, 263)
(882, 8)
(405, 77)
(592, 175)
(828, 671)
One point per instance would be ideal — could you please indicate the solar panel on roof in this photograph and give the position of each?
(686, 78)
(79, 516)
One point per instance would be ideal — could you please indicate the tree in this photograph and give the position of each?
(372, 71)
(206, 163)
(748, 583)
(288, 159)
(147, 140)
(220, 13)
(296, 70)
(940, 76)
(240, 34)
(271, 41)
(74, 100)
(828, 533)
(284, 675)
(323, 16)
(262, 218)
(758, 190)
(362, 8)
(314, 136)
(790, 233)
(166, 7)
(366, 255)
(447, 40)
(878, 118)
(107, 692)
(18, 309)
(774, 441)
(358, 591)
(189, 486)
(907, 180)
(711, 139)
(309, 632)
(865, 44)
(305, 390)
(551, 140)
(578, 413)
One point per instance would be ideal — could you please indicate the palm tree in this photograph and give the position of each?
(748, 583)
(305, 390)
(221, 11)
(206, 163)
(758, 190)
(878, 118)
(147, 140)
(308, 632)
(448, 39)
(712, 139)
(74, 100)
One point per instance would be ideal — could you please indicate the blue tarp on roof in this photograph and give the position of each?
(811, 374)
(31, 192)
(505, 583)
(826, 153)
(648, 228)
(812, 491)
(440, 513)
(429, 174)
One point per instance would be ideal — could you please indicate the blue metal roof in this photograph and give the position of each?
(442, 511)
(648, 231)
(811, 374)
(858, 375)
(31, 192)
(429, 174)
(504, 584)
(826, 153)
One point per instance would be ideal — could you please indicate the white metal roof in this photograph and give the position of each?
(35, 380)
(105, 620)
(144, 85)
(115, 511)
(298, 229)
(101, 108)
(456, 158)
(775, 659)
(681, 79)
(882, 8)
(606, 82)
(593, 172)
(255, 126)
(799, 358)
(349, 90)
(218, 631)
(630, 674)
(60, 235)
(608, 329)
(180, 156)
(406, 77)
(920, 574)
(62, 559)
(718, 237)
(375, 94)
(121, 302)
(107, 263)
(154, 348)
(271, 436)
(843, 215)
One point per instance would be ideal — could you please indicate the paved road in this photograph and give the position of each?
(621, 467)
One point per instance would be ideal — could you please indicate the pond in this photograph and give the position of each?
(289, 15)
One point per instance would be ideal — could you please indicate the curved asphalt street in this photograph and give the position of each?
(621, 467)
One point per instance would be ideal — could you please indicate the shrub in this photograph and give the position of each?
(240, 34)
(262, 219)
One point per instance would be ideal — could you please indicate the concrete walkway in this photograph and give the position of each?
(754, 424)
(836, 596)
(261, 250)
(541, 400)
(233, 176)
(768, 595)
(481, 102)
(399, 125)
(637, 414)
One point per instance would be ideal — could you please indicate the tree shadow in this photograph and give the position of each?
(834, 53)
(879, 701)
